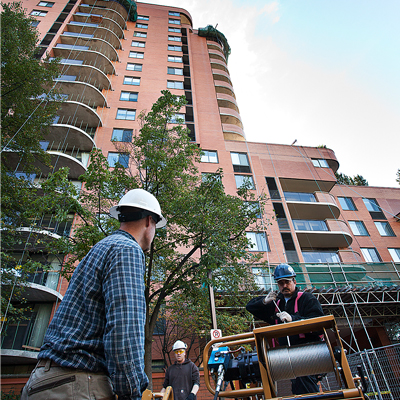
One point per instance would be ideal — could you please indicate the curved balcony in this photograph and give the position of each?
(226, 101)
(89, 57)
(223, 76)
(59, 133)
(324, 207)
(103, 22)
(104, 13)
(216, 64)
(216, 55)
(60, 160)
(97, 32)
(39, 293)
(87, 74)
(93, 44)
(112, 5)
(337, 236)
(224, 87)
(211, 44)
(79, 115)
(233, 132)
(231, 117)
(82, 92)
(305, 185)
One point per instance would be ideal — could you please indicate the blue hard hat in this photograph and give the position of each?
(284, 271)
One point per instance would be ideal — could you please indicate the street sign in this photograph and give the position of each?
(216, 333)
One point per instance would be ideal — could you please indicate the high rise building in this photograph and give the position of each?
(116, 58)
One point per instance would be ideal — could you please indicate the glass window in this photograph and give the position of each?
(209, 156)
(244, 179)
(395, 254)
(176, 30)
(240, 162)
(254, 207)
(35, 23)
(143, 17)
(72, 47)
(309, 225)
(38, 13)
(298, 196)
(122, 135)
(142, 26)
(384, 228)
(174, 85)
(136, 54)
(320, 257)
(83, 24)
(177, 119)
(371, 205)
(371, 254)
(207, 176)
(176, 59)
(139, 34)
(69, 61)
(174, 21)
(78, 35)
(129, 96)
(46, 4)
(114, 158)
(174, 48)
(135, 43)
(320, 163)
(131, 80)
(263, 279)
(347, 203)
(258, 241)
(174, 13)
(134, 67)
(70, 78)
(175, 38)
(358, 228)
(126, 114)
(175, 71)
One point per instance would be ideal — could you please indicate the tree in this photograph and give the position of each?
(357, 180)
(206, 227)
(398, 176)
(28, 107)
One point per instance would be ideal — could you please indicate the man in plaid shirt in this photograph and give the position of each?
(94, 345)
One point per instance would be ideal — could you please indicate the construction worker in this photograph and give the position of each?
(94, 345)
(287, 306)
(183, 375)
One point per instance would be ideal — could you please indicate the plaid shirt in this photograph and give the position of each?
(100, 322)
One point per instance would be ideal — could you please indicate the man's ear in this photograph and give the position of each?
(148, 221)
(294, 280)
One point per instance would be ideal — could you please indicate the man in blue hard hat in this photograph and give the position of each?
(287, 306)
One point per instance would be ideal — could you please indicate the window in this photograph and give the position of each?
(139, 34)
(83, 24)
(320, 257)
(137, 44)
(358, 228)
(175, 30)
(129, 96)
(299, 196)
(347, 204)
(35, 23)
(175, 38)
(174, 13)
(122, 135)
(70, 78)
(384, 228)
(126, 114)
(143, 26)
(320, 163)
(174, 85)
(244, 179)
(79, 35)
(371, 205)
(258, 241)
(395, 254)
(175, 71)
(240, 162)
(136, 54)
(176, 59)
(209, 156)
(264, 279)
(174, 21)
(143, 17)
(273, 189)
(253, 207)
(309, 225)
(177, 119)
(69, 61)
(134, 67)
(71, 47)
(210, 177)
(371, 254)
(114, 158)
(131, 80)
(174, 48)
(46, 4)
(38, 13)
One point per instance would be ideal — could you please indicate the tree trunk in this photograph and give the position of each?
(147, 358)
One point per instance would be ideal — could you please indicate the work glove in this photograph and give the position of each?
(270, 297)
(284, 316)
(191, 396)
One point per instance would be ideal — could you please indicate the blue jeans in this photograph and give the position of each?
(51, 382)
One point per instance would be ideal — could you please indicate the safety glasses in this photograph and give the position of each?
(179, 351)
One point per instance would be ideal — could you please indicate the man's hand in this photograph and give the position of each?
(270, 297)
(190, 397)
(284, 316)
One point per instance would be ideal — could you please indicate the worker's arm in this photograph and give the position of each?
(262, 311)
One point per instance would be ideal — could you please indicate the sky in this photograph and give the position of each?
(322, 72)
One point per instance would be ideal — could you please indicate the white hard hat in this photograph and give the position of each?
(179, 345)
(143, 200)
